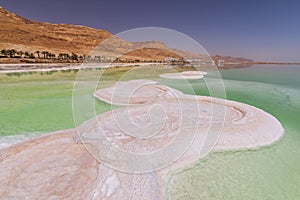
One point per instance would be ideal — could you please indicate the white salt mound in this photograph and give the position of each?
(184, 75)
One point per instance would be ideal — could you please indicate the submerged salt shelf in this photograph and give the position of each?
(184, 75)
(174, 117)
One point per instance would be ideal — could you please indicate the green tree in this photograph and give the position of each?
(21, 53)
(44, 54)
(12, 53)
(47, 54)
(38, 53)
(74, 56)
(63, 56)
(4, 52)
(31, 55)
(27, 54)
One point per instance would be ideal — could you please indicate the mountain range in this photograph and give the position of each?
(23, 34)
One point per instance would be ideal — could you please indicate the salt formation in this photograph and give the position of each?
(156, 131)
(184, 75)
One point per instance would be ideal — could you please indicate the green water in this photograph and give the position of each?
(268, 173)
(41, 103)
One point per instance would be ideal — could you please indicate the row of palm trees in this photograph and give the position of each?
(12, 53)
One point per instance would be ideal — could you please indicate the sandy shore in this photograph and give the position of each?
(46, 67)
(92, 161)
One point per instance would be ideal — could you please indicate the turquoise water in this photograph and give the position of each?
(41, 103)
(268, 173)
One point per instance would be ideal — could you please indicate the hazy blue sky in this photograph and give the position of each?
(257, 29)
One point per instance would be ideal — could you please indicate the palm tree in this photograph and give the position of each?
(21, 53)
(12, 52)
(74, 56)
(44, 53)
(51, 55)
(60, 55)
(38, 53)
(64, 56)
(4, 52)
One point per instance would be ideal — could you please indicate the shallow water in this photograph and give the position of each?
(39, 103)
(268, 173)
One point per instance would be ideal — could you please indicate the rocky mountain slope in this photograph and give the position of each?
(31, 36)
(23, 34)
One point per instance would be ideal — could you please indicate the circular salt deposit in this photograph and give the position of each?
(195, 120)
(184, 75)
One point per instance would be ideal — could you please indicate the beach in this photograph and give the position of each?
(46, 67)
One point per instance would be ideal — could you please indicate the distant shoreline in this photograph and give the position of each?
(264, 63)
(38, 67)
(46, 67)
(277, 63)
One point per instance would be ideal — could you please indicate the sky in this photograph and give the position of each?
(263, 30)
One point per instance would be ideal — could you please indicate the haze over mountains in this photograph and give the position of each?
(23, 34)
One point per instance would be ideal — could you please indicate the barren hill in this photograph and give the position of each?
(27, 35)
(23, 34)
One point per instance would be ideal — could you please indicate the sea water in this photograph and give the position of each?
(37, 103)
(267, 173)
